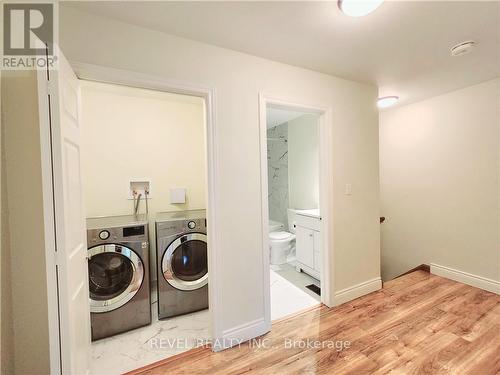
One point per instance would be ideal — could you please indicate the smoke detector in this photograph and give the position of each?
(463, 48)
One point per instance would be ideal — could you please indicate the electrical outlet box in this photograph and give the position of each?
(177, 195)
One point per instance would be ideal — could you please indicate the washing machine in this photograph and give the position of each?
(118, 265)
(181, 243)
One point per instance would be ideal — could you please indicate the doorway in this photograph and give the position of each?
(143, 163)
(61, 143)
(296, 191)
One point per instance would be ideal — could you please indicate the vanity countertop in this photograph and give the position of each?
(311, 213)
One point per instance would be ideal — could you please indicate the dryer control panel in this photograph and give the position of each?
(195, 225)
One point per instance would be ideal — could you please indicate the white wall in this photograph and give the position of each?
(238, 79)
(131, 133)
(25, 335)
(440, 188)
(303, 160)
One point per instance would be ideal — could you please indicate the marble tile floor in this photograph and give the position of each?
(164, 338)
(299, 279)
(287, 296)
(143, 346)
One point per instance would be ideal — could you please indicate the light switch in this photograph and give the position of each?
(348, 189)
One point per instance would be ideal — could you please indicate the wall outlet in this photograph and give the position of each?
(348, 189)
(178, 196)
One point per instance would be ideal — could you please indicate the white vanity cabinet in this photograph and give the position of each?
(308, 242)
(305, 246)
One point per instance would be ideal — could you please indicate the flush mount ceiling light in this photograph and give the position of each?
(387, 101)
(463, 48)
(358, 8)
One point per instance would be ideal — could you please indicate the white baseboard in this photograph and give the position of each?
(466, 278)
(238, 335)
(359, 290)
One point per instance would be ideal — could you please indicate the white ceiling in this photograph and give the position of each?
(403, 47)
(277, 116)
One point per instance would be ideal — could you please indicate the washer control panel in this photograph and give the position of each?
(104, 235)
(116, 234)
(191, 224)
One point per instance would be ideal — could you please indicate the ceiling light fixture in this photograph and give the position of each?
(387, 101)
(463, 48)
(358, 8)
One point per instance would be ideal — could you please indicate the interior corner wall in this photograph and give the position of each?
(238, 79)
(303, 156)
(131, 133)
(27, 279)
(440, 183)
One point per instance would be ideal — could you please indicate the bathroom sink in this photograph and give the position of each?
(311, 213)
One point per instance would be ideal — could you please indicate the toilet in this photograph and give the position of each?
(281, 242)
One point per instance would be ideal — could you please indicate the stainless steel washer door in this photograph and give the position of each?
(115, 276)
(185, 262)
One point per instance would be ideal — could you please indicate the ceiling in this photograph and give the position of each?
(402, 47)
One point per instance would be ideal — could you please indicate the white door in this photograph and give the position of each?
(69, 218)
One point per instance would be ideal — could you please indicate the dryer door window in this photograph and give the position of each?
(189, 260)
(185, 262)
(115, 275)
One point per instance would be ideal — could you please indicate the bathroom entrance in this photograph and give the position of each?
(294, 215)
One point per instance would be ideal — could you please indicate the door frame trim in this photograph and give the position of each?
(325, 192)
(51, 264)
(103, 74)
(139, 80)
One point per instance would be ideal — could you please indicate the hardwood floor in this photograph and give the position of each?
(417, 324)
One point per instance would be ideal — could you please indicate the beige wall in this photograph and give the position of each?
(6, 326)
(29, 348)
(440, 188)
(238, 79)
(131, 133)
(303, 162)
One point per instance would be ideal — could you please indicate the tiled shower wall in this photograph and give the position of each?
(277, 169)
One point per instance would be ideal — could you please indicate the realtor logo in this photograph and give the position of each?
(28, 35)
